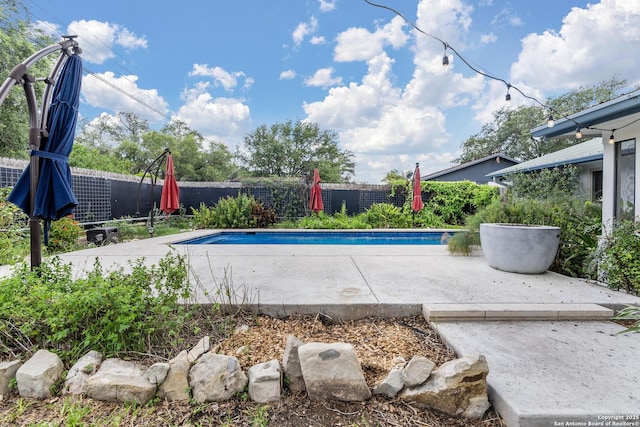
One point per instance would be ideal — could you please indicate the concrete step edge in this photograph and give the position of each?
(447, 312)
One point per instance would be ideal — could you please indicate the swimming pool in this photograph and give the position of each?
(315, 237)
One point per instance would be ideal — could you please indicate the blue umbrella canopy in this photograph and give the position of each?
(54, 198)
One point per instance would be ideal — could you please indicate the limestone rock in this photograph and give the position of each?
(216, 378)
(417, 371)
(157, 373)
(80, 372)
(7, 373)
(265, 381)
(332, 372)
(457, 388)
(291, 363)
(120, 381)
(392, 384)
(36, 377)
(200, 348)
(175, 386)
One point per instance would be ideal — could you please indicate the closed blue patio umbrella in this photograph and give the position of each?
(54, 198)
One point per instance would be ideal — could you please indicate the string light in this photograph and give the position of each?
(445, 61)
(612, 140)
(445, 58)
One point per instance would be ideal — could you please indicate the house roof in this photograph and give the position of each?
(465, 166)
(580, 153)
(615, 112)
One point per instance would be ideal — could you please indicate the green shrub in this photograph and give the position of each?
(546, 183)
(64, 234)
(105, 311)
(385, 215)
(618, 257)
(14, 241)
(242, 211)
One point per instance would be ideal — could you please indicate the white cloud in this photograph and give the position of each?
(98, 91)
(128, 40)
(488, 38)
(221, 77)
(388, 126)
(318, 40)
(97, 39)
(288, 75)
(359, 44)
(327, 5)
(223, 119)
(48, 28)
(323, 78)
(593, 44)
(506, 17)
(304, 29)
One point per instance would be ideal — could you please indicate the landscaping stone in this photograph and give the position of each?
(265, 381)
(392, 384)
(457, 388)
(120, 381)
(216, 377)
(332, 372)
(291, 363)
(157, 373)
(87, 365)
(36, 377)
(7, 373)
(199, 349)
(175, 387)
(417, 371)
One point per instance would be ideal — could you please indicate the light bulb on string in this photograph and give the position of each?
(550, 122)
(612, 140)
(445, 58)
(508, 96)
(578, 133)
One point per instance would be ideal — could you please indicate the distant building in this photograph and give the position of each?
(475, 171)
(617, 122)
(587, 156)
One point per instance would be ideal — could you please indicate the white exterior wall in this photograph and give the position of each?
(609, 169)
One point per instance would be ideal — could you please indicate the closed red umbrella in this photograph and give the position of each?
(417, 204)
(315, 203)
(170, 199)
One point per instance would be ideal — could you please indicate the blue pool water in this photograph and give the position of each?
(321, 238)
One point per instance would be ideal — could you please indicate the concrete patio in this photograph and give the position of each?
(554, 356)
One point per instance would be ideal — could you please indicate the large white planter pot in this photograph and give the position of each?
(519, 248)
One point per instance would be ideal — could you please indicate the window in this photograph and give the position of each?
(625, 179)
(596, 186)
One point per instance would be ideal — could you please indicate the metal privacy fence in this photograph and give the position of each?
(103, 196)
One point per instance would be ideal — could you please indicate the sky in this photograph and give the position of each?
(227, 67)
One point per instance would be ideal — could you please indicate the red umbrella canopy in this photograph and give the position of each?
(170, 199)
(315, 203)
(417, 204)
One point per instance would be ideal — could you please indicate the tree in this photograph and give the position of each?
(18, 41)
(128, 143)
(509, 133)
(293, 150)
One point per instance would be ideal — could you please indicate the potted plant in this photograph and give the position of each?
(514, 236)
(519, 248)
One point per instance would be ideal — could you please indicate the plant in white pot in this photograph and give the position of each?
(580, 225)
(519, 248)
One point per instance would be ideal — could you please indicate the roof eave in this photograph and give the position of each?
(593, 116)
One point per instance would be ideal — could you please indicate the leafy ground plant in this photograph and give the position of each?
(109, 312)
(632, 314)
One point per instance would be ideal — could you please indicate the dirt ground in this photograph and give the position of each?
(378, 342)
